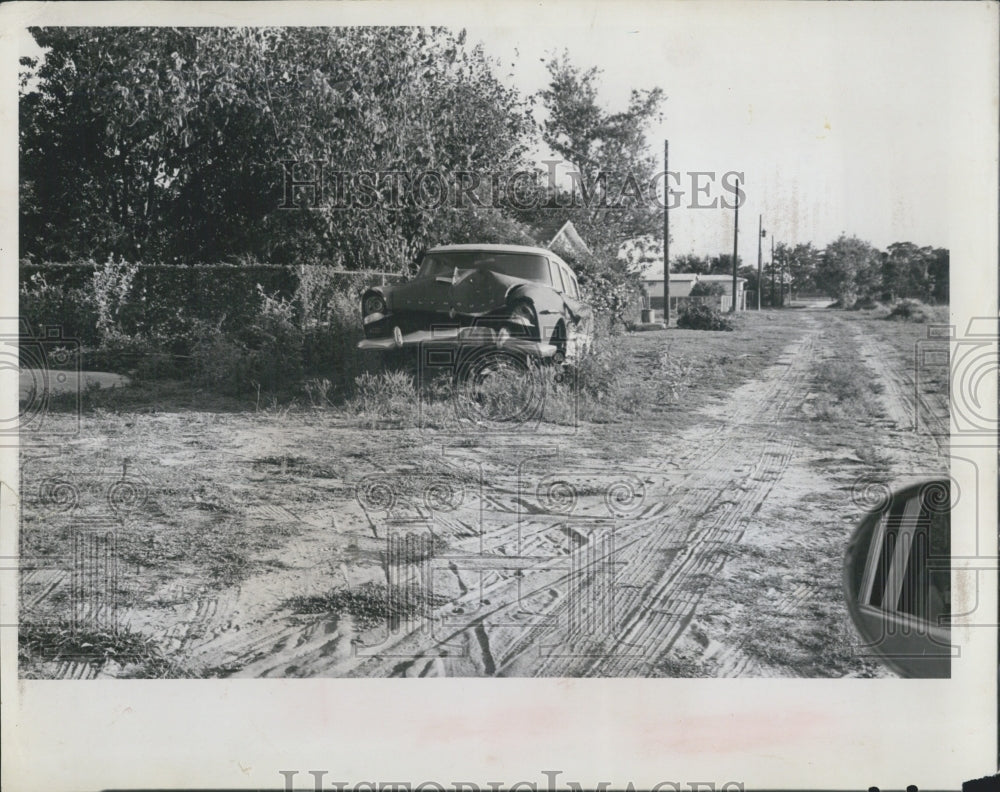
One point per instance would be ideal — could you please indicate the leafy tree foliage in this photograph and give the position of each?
(912, 271)
(701, 265)
(708, 288)
(850, 268)
(167, 144)
(609, 199)
(801, 264)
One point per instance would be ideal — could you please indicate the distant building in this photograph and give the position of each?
(681, 284)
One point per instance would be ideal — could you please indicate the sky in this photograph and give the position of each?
(841, 116)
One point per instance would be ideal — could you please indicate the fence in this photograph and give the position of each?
(720, 302)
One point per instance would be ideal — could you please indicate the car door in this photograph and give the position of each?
(579, 324)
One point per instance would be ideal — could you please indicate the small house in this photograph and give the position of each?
(681, 284)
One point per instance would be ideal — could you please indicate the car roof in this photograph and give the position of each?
(538, 251)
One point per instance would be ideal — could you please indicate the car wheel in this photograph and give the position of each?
(498, 385)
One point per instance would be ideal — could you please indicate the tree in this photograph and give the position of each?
(723, 264)
(850, 269)
(907, 271)
(609, 199)
(801, 263)
(938, 268)
(688, 262)
(707, 288)
(168, 143)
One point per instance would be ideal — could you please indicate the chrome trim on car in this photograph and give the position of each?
(455, 336)
(373, 317)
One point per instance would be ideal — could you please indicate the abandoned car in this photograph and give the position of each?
(523, 300)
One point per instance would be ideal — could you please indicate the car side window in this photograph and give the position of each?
(570, 281)
(567, 277)
(555, 273)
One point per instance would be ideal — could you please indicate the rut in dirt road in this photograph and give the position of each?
(623, 587)
(676, 553)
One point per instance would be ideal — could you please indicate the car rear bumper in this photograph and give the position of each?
(464, 336)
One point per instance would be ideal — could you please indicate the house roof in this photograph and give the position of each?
(548, 227)
(561, 235)
(567, 237)
(711, 278)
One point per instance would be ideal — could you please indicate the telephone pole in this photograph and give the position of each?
(760, 236)
(781, 285)
(666, 233)
(736, 237)
(772, 270)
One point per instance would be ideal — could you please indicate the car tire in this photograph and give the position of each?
(488, 372)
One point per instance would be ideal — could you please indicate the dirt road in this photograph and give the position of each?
(713, 550)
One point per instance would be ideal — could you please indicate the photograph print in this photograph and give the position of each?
(401, 351)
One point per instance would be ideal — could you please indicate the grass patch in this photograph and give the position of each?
(845, 391)
(139, 656)
(369, 604)
(917, 311)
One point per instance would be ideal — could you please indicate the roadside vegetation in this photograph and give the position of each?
(134, 655)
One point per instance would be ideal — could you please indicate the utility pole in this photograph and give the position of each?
(736, 238)
(666, 233)
(782, 279)
(772, 270)
(760, 235)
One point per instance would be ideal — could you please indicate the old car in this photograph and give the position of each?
(522, 300)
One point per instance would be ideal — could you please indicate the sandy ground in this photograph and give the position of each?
(251, 544)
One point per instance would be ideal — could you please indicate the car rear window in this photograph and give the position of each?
(517, 265)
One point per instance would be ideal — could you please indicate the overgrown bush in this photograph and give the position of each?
(707, 289)
(42, 303)
(220, 363)
(864, 304)
(137, 355)
(608, 286)
(703, 317)
(331, 329)
(167, 321)
(274, 340)
(112, 287)
(917, 311)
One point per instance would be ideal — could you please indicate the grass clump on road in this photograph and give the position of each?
(138, 656)
(917, 311)
(846, 391)
(370, 604)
